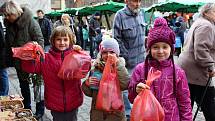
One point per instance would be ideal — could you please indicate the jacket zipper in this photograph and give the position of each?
(64, 96)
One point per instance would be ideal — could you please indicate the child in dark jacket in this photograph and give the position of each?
(62, 97)
(171, 88)
(91, 85)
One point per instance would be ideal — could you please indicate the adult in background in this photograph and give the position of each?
(94, 27)
(85, 33)
(45, 28)
(198, 59)
(181, 26)
(129, 31)
(66, 20)
(79, 27)
(21, 28)
(4, 84)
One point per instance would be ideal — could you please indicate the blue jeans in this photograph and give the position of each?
(127, 104)
(125, 98)
(84, 44)
(4, 84)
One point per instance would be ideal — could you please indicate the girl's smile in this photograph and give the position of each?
(62, 42)
(160, 51)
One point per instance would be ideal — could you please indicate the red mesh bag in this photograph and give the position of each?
(146, 107)
(29, 51)
(75, 65)
(109, 96)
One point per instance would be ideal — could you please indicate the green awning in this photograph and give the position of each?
(89, 10)
(54, 14)
(176, 6)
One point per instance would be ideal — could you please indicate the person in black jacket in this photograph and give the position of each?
(45, 28)
(94, 27)
(4, 84)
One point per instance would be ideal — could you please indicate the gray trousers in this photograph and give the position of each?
(67, 116)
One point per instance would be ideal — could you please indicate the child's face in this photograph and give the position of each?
(160, 51)
(105, 54)
(62, 42)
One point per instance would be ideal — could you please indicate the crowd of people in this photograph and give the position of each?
(179, 86)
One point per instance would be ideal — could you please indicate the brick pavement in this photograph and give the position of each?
(83, 113)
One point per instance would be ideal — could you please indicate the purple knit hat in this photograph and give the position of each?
(161, 33)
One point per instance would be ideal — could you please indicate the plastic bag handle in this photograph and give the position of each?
(152, 75)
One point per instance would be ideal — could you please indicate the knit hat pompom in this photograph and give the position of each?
(109, 44)
(161, 33)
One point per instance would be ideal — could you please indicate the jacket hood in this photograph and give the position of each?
(160, 64)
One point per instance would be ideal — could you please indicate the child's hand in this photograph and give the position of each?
(112, 58)
(77, 48)
(141, 86)
(93, 81)
(34, 42)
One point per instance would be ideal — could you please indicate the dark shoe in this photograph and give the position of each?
(128, 118)
(38, 116)
(39, 109)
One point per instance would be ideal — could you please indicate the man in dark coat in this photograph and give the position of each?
(94, 26)
(129, 30)
(45, 28)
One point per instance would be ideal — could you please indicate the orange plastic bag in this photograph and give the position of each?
(109, 96)
(146, 107)
(29, 51)
(75, 65)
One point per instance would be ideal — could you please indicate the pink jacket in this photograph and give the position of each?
(177, 107)
(60, 95)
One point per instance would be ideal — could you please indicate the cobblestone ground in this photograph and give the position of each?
(83, 113)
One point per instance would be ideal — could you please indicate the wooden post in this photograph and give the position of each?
(107, 20)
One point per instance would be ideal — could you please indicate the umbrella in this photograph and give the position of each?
(176, 6)
(70, 10)
(82, 11)
(54, 14)
(109, 6)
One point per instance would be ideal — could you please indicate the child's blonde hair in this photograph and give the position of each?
(62, 31)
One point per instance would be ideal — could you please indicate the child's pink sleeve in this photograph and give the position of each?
(30, 66)
(135, 79)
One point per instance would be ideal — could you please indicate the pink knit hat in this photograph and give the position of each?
(161, 33)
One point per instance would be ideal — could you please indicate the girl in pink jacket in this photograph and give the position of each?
(171, 88)
(62, 97)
